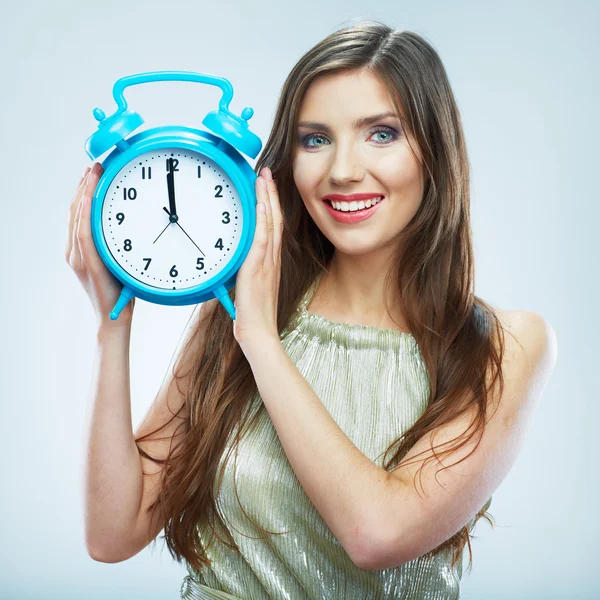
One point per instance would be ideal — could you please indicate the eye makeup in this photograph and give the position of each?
(303, 139)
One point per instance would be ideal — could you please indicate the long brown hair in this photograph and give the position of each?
(459, 336)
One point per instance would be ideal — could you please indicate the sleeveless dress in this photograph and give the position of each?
(374, 384)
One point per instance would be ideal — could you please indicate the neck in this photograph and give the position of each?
(354, 289)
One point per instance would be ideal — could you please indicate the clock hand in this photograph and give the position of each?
(191, 240)
(154, 242)
(175, 219)
(171, 188)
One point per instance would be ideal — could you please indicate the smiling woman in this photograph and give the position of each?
(385, 358)
(352, 143)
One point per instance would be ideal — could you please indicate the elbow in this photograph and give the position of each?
(376, 560)
(365, 550)
(378, 549)
(94, 554)
(365, 561)
(99, 554)
(385, 554)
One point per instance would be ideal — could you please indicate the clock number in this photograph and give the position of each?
(129, 194)
(220, 188)
(175, 164)
(199, 171)
(226, 215)
(219, 244)
(173, 272)
(147, 264)
(200, 262)
(144, 172)
(127, 245)
(120, 218)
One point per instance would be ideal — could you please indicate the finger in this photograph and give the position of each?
(79, 190)
(261, 234)
(87, 191)
(83, 230)
(268, 220)
(277, 216)
(271, 244)
(73, 209)
(75, 258)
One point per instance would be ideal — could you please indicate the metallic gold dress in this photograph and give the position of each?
(374, 384)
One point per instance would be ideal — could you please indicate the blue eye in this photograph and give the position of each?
(390, 131)
(308, 137)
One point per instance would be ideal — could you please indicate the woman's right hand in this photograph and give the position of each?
(99, 283)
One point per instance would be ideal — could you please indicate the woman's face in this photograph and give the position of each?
(333, 155)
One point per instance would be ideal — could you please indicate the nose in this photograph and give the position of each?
(346, 166)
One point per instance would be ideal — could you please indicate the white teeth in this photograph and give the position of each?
(354, 205)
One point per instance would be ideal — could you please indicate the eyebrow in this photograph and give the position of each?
(357, 124)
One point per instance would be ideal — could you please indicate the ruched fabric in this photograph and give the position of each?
(374, 384)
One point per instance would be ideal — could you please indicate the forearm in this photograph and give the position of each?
(338, 478)
(113, 473)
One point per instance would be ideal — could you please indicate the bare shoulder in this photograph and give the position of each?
(529, 358)
(534, 335)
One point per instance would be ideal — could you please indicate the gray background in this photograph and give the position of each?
(525, 75)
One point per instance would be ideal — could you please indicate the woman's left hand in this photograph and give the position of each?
(257, 282)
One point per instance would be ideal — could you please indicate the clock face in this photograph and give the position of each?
(146, 238)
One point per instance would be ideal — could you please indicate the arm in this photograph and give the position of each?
(113, 473)
(406, 523)
(338, 478)
(371, 512)
(120, 483)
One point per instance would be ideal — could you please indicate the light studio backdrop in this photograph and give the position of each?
(525, 76)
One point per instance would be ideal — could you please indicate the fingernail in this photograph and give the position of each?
(268, 173)
(262, 182)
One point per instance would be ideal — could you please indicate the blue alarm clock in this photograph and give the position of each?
(174, 213)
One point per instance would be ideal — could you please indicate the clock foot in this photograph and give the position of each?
(126, 295)
(222, 296)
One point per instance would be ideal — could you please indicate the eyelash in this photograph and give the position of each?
(384, 129)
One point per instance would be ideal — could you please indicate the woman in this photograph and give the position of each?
(292, 454)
